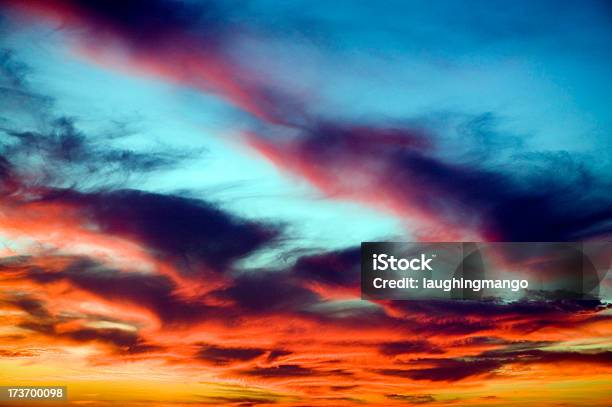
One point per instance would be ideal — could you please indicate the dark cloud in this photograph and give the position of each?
(5, 169)
(414, 346)
(515, 208)
(337, 268)
(277, 353)
(220, 355)
(188, 231)
(534, 197)
(454, 326)
(13, 73)
(528, 356)
(154, 292)
(42, 321)
(42, 148)
(476, 341)
(530, 325)
(494, 308)
(149, 24)
(38, 318)
(124, 342)
(19, 102)
(46, 327)
(446, 370)
(29, 304)
(262, 292)
(121, 341)
(64, 155)
(280, 371)
(457, 318)
(292, 370)
(487, 363)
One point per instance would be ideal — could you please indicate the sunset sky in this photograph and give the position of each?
(184, 187)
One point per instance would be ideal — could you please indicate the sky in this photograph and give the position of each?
(184, 187)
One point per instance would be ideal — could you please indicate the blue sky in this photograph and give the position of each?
(528, 80)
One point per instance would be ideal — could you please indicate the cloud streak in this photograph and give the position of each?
(399, 171)
(185, 43)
